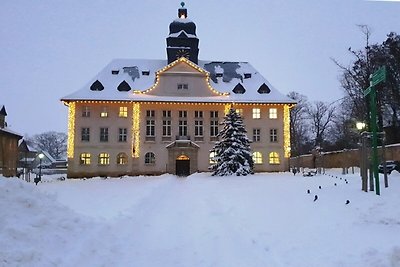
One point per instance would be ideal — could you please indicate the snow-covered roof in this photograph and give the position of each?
(47, 155)
(9, 131)
(140, 74)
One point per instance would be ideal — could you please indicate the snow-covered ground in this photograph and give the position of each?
(261, 220)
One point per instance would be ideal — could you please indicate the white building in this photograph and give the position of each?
(157, 116)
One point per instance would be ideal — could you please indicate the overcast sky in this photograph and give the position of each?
(51, 48)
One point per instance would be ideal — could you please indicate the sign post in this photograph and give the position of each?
(376, 78)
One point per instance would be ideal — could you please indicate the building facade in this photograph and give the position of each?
(8, 147)
(163, 116)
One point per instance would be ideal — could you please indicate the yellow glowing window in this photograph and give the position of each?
(273, 113)
(122, 159)
(212, 155)
(104, 158)
(257, 158)
(123, 112)
(256, 113)
(104, 112)
(85, 159)
(274, 158)
(239, 111)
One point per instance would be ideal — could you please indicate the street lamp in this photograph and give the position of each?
(37, 180)
(360, 125)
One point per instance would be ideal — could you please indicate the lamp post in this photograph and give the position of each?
(363, 156)
(40, 168)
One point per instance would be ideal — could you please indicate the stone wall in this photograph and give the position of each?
(341, 159)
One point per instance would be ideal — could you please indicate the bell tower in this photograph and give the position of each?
(182, 40)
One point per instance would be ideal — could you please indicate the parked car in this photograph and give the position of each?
(390, 166)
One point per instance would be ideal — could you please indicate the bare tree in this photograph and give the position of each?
(54, 143)
(321, 117)
(298, 124)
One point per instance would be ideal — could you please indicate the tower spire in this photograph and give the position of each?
(182, 12)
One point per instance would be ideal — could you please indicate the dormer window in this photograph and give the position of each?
(183, 86)
(146, 72)
(124, 86)
(97, 86)
(247, 75)
(239, 89)
(218, 75)
(264, 89)
(114, 72)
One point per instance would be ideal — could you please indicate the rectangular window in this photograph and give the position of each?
(273, 135)
(183, 86)
(85, 111)
(239, 111)
(122, 134)
(273, 113)
(150, 113)
(104, 112)
(166, 113)
(104, 159)
(85, 159)
(182, 128)
(213, 128)
(103, 134)
(182, 114)
(166, 128)
(123, 112)
(213, 114)
(150, 127)
(198, 114)
(85, 134)
(198, 128)
(256, 135)
(256, 113)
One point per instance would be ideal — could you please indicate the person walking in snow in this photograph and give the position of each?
(294, 170)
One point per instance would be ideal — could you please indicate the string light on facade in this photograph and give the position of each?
(136, 130)
(71, 130)
(286, 131)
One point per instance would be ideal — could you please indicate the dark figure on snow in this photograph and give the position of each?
(315, 198)
(294, 170)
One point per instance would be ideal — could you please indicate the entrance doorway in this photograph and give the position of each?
(182, 165)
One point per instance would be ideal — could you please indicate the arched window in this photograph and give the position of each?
(85, 159)
(212, 155)
(257, 157)
(122, 159)
(149, 158)
(104, 158)
(274, 158)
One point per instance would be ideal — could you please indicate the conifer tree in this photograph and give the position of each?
(232, 155)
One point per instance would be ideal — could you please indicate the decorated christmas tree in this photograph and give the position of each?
(232, 155)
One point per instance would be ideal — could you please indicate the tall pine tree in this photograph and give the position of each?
(232, 155)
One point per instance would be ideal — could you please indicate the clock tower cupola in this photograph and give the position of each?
(182, 40)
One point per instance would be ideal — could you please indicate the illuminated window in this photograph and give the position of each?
(274, 158)
(85, 111)
(85, 134)
(166, 128)
(239, 111)
(85, 159)
(122, 159)
(256, 135)
(104, 112)
(104, 158)
(122, 134)
(212, 155)
(273, 113)
(123, 112)
(257, 158)
(273, 135)
(256, 113)
(103, 134)
(149, 158)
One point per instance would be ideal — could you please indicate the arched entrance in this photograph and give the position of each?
(182, 165)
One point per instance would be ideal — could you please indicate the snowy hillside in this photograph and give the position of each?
(260, 220)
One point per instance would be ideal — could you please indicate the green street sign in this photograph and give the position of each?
(367, 91)
(378, 76)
